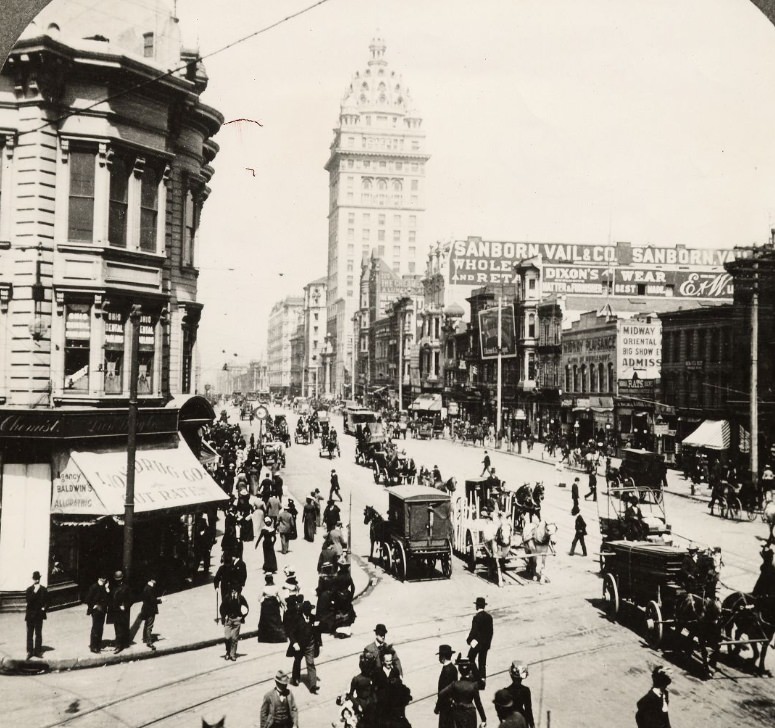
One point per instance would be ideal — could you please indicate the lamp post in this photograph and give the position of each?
(576, 427)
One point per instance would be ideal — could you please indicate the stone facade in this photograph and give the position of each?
(376, 173)
(284, 320)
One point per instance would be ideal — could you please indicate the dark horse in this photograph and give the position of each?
(750, 618)
(376, 529)
(700, 616)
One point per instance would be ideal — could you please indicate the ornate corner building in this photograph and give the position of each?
(106, 156)
(376, 173)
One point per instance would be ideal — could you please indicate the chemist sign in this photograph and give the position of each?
(638, 349)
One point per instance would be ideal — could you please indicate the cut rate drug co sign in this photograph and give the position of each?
(639, 349)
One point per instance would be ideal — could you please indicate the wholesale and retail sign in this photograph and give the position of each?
(638, 349)
(616, 269)
(488, 333)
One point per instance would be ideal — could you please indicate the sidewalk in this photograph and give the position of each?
(187, 620)
(676, 483)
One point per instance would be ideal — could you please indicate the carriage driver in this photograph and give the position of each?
(690, 569)
(634, 526)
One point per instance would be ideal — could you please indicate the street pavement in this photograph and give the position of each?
(583, 667)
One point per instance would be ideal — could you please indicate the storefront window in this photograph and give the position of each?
(114, 352)
(145, 356)
(77, 338)
(63, 560)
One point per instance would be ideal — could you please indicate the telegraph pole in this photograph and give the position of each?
(754, 398)
(498, 414)
(131, 446)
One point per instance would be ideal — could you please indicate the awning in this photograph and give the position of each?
(427, 402)
(94, 483)
(208, 454)
(711, 434)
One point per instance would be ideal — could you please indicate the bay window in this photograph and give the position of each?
(149, 208)
(119, 200)
(81, 205)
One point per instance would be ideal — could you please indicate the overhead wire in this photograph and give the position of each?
(171, 72)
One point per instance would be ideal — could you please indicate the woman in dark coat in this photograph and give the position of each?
(309, 520)
(464, 694)
(270, 623)
(268, 535)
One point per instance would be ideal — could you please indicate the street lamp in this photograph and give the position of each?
(576, 427)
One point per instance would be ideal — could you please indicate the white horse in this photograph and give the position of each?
(538, 541)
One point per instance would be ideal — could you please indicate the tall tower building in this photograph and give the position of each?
(376, 186)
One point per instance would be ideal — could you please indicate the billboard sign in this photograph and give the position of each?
(488, 333)
(618, 269)
(638, 349)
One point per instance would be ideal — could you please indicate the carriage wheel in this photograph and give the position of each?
(385, 555)
(470, 552)
(446, 564)
(655, 629)
(733, 509)
(401, 565)
(376, 474)
(611, 595)
(751, 513)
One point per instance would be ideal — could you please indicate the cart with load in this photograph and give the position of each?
(417, 534)
(675, 593)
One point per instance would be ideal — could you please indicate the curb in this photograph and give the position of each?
(14, 666)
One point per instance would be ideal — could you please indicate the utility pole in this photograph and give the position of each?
(401, 356)
(498, 415)
(131, 447)
(754, 397)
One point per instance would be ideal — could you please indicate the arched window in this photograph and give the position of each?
(575, 378)
(397, 185)
(592, 378)
(583, 387)
(601, 379)
(382, 185)
(610, 377)
(366, 184)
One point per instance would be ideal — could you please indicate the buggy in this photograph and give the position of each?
(274, 454)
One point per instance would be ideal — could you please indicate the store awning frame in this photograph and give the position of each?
(710, 435)
(427, 402)
(93, 483)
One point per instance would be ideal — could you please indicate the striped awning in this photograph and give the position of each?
(711, 435)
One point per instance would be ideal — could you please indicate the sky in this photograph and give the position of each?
(578, 121)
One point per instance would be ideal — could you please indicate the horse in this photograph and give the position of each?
(527, 502)
(538, 497)
(744, 615)
(448, 486)
(538, 541)
(376, 525)
(700, 616)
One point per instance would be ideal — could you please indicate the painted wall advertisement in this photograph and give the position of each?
(638, 349)
(619, 269)
(488, 333)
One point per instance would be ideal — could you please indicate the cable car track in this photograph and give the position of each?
(511, 614)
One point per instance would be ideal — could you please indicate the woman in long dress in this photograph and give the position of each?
(309, 520)
(267, 538)
(464, 695)
(270, 622)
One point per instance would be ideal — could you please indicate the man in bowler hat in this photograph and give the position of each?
(36, 597)
(652, 708)
(97, 604)
(480, 639)
(278, 708)
(448, 675)
(120, 606)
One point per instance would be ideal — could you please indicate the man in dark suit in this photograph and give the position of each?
(480, 639)
(97, 603)
(37, 601)
(653, 706)
(148, 611)
(447, 676)
(119, 607)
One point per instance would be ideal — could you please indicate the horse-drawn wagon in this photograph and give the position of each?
(489, 531)
(273, 454)
(676, 592)
(417, 533)
(641, 469)
(371, 439)
(329, 444)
